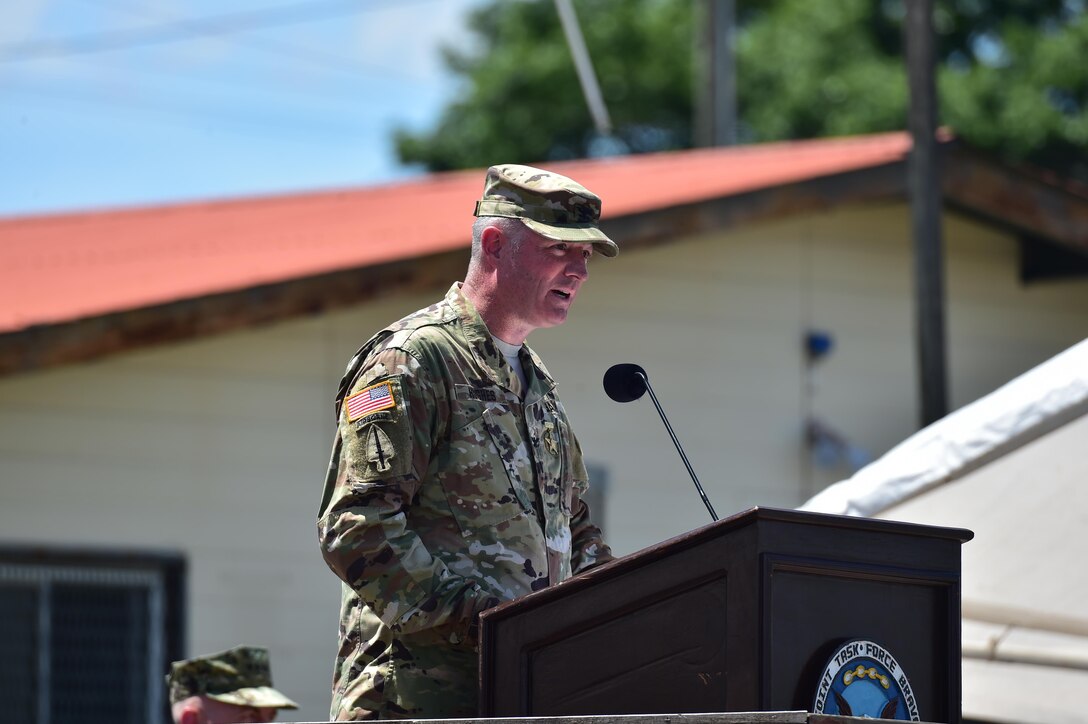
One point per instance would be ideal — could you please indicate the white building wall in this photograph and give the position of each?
(217, 447)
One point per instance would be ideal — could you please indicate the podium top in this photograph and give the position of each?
(794, 519)
(754, 717)
(852, 522)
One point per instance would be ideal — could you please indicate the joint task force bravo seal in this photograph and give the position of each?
(863, 679)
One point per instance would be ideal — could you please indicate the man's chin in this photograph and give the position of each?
(556, 318)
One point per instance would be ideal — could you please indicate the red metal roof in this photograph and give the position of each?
(64, 267)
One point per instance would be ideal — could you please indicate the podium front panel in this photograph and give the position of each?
(673, 645)
(645, 636)
(811, 607)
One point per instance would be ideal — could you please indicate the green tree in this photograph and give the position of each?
(1012, 78)
(522, 101)
(1027, 98)
(1012, 75)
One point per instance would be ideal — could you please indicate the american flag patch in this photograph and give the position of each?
(373, 398)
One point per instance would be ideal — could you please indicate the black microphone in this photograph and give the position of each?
(625, 382)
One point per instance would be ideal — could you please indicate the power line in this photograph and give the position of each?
(198, 109)
(185, 29)
(278, 48)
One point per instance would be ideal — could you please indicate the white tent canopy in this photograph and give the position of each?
(1011, 467)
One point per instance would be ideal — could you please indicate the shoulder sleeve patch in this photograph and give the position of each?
(370, 400)
(377, 431)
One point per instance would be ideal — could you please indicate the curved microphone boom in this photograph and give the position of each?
(626, 382)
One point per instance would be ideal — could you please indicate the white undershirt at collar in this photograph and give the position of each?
(510, 354)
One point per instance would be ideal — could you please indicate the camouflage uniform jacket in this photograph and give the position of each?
(447, 493)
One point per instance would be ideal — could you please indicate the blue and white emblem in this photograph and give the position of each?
(863, 679)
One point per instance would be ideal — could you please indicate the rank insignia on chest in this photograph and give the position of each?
(371, 399)
(550, 443)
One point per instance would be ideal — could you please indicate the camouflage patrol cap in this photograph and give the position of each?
(239, 676)
(553, 206)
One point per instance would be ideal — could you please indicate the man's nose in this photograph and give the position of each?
(578, 268)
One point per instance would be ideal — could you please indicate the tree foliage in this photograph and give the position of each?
(522, 101)
(1012, 78)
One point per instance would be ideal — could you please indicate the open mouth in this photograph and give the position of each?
(561, 294)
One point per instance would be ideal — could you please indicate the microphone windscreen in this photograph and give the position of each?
(625, 382)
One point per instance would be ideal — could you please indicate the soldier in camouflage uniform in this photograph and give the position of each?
(456, 482)
(229, 686)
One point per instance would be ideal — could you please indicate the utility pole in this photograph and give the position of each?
(924, 187)
(715, 65)
(584, 67)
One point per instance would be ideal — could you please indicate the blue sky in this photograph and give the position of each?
(119, 103)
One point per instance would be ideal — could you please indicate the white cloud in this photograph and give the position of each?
(407, 37)
(19, 19)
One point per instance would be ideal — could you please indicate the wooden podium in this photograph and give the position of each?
(740, 615)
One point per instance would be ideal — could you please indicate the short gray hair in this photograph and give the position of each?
(511, 228)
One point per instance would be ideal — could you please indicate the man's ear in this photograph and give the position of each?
(189, 715)
(492, 242)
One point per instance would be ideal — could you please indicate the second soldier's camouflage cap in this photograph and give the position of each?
(240, 676)
(552, 205)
